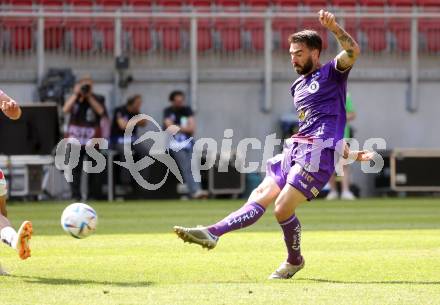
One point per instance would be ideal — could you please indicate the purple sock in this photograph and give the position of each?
(292, 237)
(243, 217)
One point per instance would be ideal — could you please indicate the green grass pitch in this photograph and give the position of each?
(384, 251)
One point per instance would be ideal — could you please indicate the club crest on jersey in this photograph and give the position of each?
(313, 87)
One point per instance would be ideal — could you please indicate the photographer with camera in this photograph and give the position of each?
(87, 111)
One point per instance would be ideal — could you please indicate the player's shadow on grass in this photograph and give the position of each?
(62, 281)
(391, 282)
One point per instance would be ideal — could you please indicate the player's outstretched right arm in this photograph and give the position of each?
(351, 49)
(357, 155)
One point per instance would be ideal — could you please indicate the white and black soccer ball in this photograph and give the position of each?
(79, 220)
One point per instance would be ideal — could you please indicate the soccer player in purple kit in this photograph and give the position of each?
(304, 167)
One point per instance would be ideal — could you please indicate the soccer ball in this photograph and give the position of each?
(79, 220)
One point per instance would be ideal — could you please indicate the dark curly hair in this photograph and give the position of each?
(175, 93)
(309, 37)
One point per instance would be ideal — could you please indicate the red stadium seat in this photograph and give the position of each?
(345, 3)
(286, 3)
(316, 3)
(428, 3)
(52, 4)
(257, 3)
(81, 3)
(82, 36)
(140, 35)
(229, 3)
(230, 34)
(401, 3)
(204, 36)
(21, 31)
(374, 3)
(53, 27)
(140, 3)
(21, 2)
(53, 33)
(200, 3)
(401, 29)
(375, 31)
(170, 3)
(350, 25)
(170, 36)
(315, 25)
(256, 29)
(431, 30)
(110, 3)
(284, 28)
(107, 28)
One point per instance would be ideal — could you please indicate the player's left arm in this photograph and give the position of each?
(357, 155)
(10, 107)
(351, 50)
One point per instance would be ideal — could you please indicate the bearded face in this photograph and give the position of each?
(301, 58)
(304, 68)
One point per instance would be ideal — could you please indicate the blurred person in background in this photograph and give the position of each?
(121, 118)
(182, 116)
(346, 194)
(86, 111)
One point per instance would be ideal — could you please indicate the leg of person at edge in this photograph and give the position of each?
(16, 240)
(346, 194)
(319, 97)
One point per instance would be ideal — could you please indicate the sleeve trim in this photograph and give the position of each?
(336, 67)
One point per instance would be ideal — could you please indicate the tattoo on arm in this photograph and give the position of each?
(346, 41)
(348, 56)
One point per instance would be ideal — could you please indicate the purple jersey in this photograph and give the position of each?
(319, 99)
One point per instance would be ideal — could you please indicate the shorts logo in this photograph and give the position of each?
(305, 186)
(314, 191)
(313, 87)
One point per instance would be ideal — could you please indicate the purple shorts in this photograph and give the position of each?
(304, 166)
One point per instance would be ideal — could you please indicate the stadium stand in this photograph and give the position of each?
(401, 30)
(140, 4)
(169, 33)
(110, 3)
(373, 3)
(431, 31)
(139, 35)
(375, 32)
(230, 34)
(54, 34)
(345, 3)
(282, 29)
(18, 33)
(257, 3)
